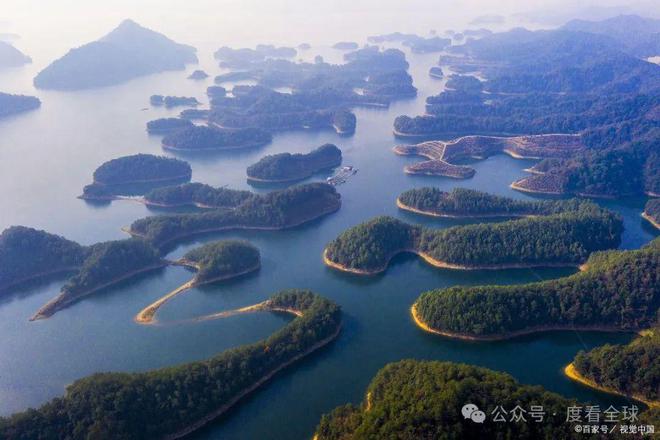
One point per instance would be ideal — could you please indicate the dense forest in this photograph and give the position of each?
(105, 263)
(652, 211)
(167, 125)
(157, 403)
(13, 104)
(345, 122)
(141, 168)
(27, 253)
(274, 210)
(562, 238)
(463, 202)
(129, 51)
(289, 167)
(221, 259)
(631, 369)
(197, 194)
(207, 138)
(618, 290)
(557, 82)
(411, 400)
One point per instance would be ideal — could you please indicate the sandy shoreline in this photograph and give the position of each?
(572, 373)
(650, 220)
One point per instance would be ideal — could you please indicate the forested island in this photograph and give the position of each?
(28, 254)
(469, 203)
(129, 51)
(167, 125)
(244, 57)
(196, 194)
(14, 104)
(436, 72)
(287, 167)
(176, 401)
(631, 370)
(443, 155)
(652, 212)
(215, 261)
(198, 75)
(173, 101)
(561, 239)
(275, 210)
(12, 57)
(105, 264)
(590, 83)
(592, 299)
(200, 138)
(129, 174)
(345, 45)
(413, 399)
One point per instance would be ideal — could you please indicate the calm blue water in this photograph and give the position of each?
(48, 155)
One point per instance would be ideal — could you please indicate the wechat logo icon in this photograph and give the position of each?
(472, 412)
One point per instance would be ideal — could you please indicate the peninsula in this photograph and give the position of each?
(14, 104)
(588, 300)
(287, 167)
(127, 52)
(200, 138)
(211, 387)
(133, 174)
(196, 194)
(216, 261)
(561, 239)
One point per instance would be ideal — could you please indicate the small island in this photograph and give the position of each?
(616, 368)
(443, 155)
(167, 125)
(28, 254)
(14, 104)
(200, 138)
(198, 75)
(287, 167)
(137, 173)
(276, 210)
(105, 265)
(413, 399)
(196, 194)
(345, 45)
(436, 72)
(173, 101)
(129, 51)
(562, 239)
(216, 261)
(215, 384)
(469, 203)
(588, 300)
(652, 212)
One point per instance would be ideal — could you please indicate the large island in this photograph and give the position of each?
(564, 238)
(287, 167)
(175, 401)
(592, 299)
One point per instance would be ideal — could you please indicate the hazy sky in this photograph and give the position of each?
(50, 27)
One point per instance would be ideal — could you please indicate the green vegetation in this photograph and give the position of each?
(275, 210)
(618, 290)
(462, 202)
(222, 259)
(105, 264)
(652, 212)
(173, 101)
(27, 253)
(631, 369)
(562, 238)
(290, 167)
(344, 122)
(141, 168)
(167, 125)
(412, 400)
(197, 194)
(178, 399)
(13, 104)
(207, 138)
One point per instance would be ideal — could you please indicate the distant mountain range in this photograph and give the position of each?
(127, 52)
(12, 57)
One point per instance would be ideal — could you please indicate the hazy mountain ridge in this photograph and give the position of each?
(12, 57)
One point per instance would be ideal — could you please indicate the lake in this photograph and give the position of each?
(48, 155)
